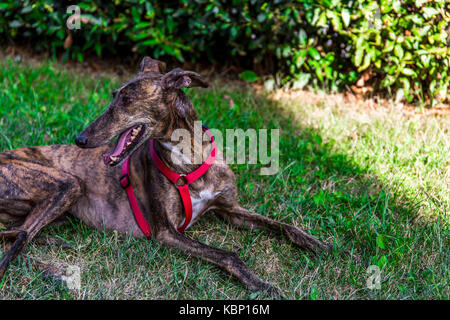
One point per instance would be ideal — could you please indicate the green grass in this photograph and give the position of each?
(374, 181)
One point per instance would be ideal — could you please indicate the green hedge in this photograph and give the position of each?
(399, 46)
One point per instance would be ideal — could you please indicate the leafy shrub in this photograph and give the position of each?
(397, 46)
(404, 43)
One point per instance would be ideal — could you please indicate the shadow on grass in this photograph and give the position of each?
(325, 192)
(333, 197)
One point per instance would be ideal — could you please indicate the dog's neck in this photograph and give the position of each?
(179, 155)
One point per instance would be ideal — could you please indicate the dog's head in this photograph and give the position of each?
(141, 109)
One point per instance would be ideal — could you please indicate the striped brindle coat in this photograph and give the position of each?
(40, 184)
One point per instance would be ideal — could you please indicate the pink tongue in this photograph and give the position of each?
(120, 144)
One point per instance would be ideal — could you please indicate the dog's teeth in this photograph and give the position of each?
(128, 143)
(113, 159)
(136, 130)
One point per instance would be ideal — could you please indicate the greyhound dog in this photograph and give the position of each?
(40, 184)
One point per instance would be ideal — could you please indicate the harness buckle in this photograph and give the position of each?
(125, 181)
(181, 180)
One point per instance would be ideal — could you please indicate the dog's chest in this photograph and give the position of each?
(200, 203)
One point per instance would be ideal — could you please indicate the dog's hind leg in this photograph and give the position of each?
(42, 214)
(246, 218)
(226, 260)
(19, 242)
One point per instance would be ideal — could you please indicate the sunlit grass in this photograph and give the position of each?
(372, 181)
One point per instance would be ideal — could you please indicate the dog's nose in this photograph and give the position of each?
(81, 141)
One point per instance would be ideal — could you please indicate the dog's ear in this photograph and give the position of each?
(179, 78)
(151, 65)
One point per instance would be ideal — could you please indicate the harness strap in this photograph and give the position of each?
(187, 204)
(126, 184)
(180, 180)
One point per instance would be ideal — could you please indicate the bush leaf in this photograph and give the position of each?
(249, 76)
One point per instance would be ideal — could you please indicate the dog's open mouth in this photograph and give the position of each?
(126, 142)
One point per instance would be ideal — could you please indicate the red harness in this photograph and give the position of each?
(180, 180)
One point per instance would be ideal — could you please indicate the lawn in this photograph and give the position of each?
(371, 180)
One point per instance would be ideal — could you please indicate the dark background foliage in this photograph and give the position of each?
(396, 47)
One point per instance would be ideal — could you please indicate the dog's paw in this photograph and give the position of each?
(272, 292)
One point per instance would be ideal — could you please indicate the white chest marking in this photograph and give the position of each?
(199, 204)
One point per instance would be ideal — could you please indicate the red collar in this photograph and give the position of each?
(180, 180)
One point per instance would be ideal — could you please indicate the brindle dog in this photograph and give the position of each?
(40, 184)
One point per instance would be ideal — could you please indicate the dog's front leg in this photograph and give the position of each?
(226, 260)
(41, 215)
(246, 218)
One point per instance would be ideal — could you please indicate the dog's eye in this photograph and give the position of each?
(127, 100)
